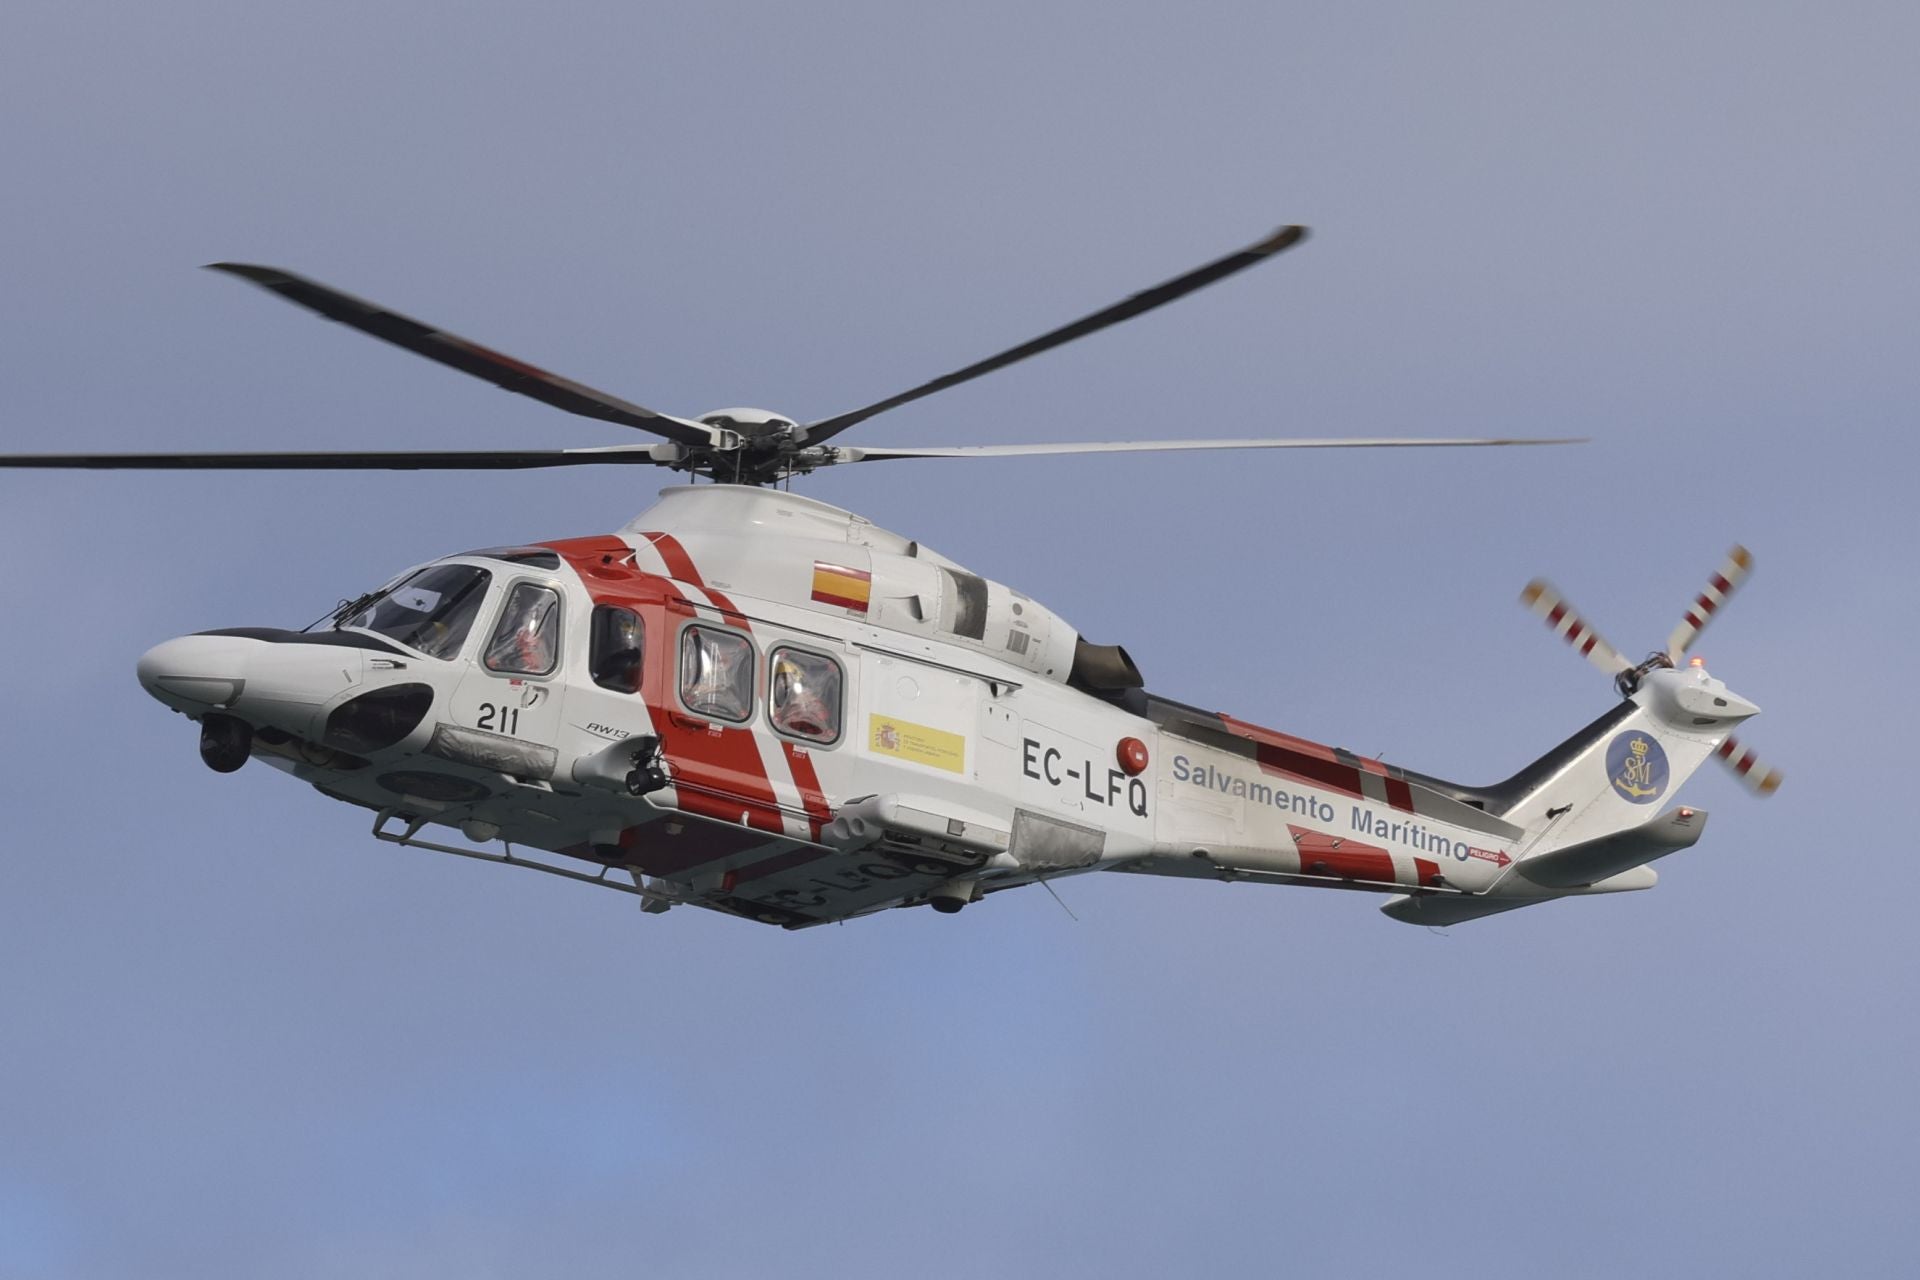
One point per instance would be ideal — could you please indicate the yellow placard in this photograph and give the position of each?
(935, 748)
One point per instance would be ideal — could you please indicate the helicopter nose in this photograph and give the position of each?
(270, 679)
(196, 673)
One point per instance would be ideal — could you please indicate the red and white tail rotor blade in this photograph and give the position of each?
(1720, 587)
(1758, 776)
(1543, 599)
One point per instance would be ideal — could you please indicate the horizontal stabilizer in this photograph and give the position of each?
(1592, 861)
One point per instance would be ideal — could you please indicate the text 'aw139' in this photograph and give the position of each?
(754, 702)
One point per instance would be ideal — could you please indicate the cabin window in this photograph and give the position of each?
(526, 641)
(716, 673)
(803, 695)
(616, 650)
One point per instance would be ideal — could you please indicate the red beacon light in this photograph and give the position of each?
(1132, 755)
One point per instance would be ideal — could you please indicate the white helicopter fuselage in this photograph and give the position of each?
(758, 703)
(764, 705)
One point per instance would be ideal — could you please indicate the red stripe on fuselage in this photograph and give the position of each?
(1297, 758)
(709, 758)
(680, 565)
(1325, 855)
(806, 779)
(1399, 792)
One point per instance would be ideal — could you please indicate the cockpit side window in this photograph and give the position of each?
(716, 673)
(526, 640)
(616, 650)
(432, 610)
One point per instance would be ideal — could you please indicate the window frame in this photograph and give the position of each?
(559, 622)
(840, 711)
(680, 679)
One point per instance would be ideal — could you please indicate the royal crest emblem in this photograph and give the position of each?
(1637, 767)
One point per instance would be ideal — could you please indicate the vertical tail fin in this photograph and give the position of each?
(1612, 781)
(1589, 809)
(1605, 779)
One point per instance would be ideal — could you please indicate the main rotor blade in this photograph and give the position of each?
(1540, 597)
(1146, 300)
(869, 453)
(430, 460)
(468, 357)
(1720, 587)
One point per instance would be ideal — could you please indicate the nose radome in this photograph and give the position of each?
(196, 673)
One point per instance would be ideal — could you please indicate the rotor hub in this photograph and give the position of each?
(751, 424)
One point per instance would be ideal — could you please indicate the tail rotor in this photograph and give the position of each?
(1542, 599)
(1754, 773)
(1720, 588)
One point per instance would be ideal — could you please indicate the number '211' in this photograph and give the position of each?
(500, 719)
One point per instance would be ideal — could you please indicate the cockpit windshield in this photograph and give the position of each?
(431, 610)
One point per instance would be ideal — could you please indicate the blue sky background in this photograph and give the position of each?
(239, 1038)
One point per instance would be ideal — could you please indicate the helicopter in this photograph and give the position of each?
(750, 701)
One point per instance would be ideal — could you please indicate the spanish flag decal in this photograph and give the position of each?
(838, 585)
